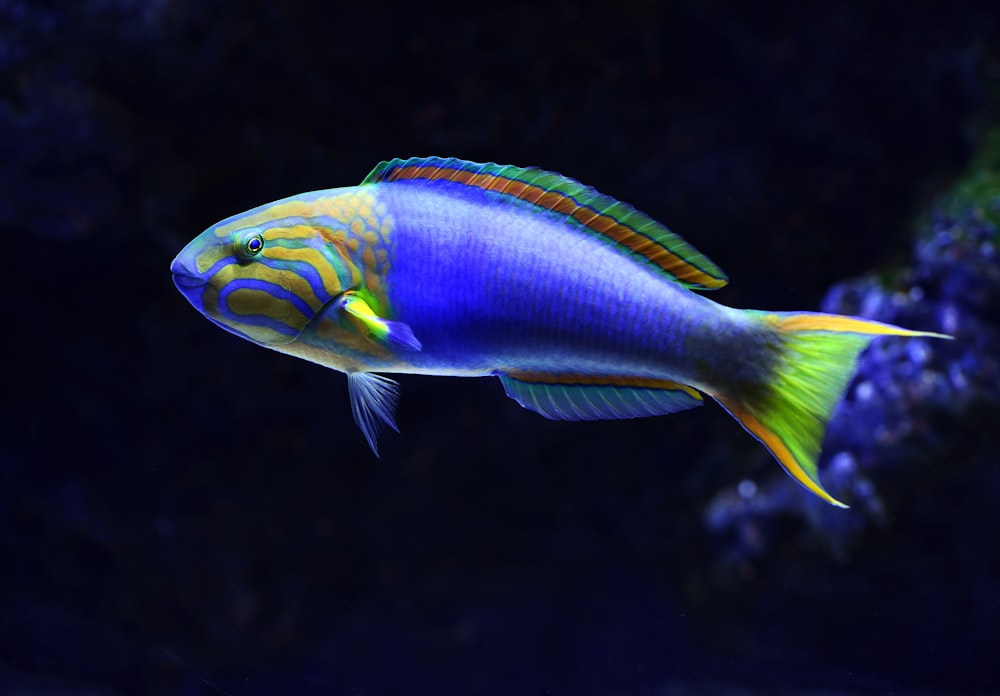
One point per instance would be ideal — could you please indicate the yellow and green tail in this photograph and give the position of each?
(790, 413)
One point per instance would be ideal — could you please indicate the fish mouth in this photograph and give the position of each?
(183, 278)
(187, 282)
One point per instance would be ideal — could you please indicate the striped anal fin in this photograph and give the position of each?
(590, 397)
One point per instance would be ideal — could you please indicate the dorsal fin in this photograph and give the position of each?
(618, 223)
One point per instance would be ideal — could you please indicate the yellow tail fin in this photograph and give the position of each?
(790, 413)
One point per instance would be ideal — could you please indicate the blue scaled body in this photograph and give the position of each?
(497, 289)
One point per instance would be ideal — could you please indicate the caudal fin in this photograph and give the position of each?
(817, 358)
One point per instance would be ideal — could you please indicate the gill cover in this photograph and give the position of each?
(262, 283)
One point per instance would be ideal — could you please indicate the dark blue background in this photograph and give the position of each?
(182, 512)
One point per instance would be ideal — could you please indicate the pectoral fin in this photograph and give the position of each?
(597, 397)
(392, 333)
(373, 401)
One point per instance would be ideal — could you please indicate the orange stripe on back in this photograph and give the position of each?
(615, 221)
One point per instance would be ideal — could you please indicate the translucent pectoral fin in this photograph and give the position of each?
(393, 333)
(373, 402)
(597, 397)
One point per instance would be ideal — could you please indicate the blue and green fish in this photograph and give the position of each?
(584, 307)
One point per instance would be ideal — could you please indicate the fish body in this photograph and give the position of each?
(583, 306)
(493, 289)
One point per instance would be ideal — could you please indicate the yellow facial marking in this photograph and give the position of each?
(368, 257)
(296, 232)
(271, 213)
(259, 271)
(210, 300)
(373, 286)
(331, 283)
(247, 301)
(330, 205)
(332, 236)
(209, 256)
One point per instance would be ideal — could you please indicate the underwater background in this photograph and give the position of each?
(182, 512)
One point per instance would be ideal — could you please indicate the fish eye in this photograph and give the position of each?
(248, 244)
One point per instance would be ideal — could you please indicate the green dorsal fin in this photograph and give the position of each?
(597, 397)
(618, 223)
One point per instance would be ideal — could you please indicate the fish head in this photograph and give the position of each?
(264, 282)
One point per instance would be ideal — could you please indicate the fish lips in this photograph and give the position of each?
(189, 284)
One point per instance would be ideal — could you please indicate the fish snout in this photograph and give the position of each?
(189, 283)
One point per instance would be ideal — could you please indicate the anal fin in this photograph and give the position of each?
(597, 397)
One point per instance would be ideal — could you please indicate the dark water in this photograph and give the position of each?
(184, 513)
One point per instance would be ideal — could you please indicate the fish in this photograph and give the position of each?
(584, 307)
